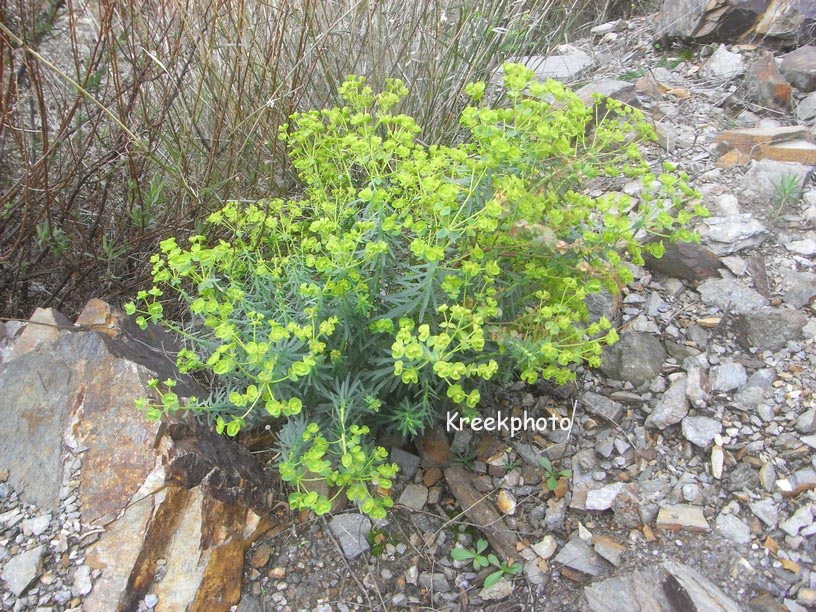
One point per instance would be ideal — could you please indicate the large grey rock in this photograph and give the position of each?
(730, 294)
(700, 430)
(726, 235)
(352, 530)
(22, 569)
(725, 21)
(672, 407)
(686, 588)
(623, 91)
(723, 65)
(799, 67)
(769, 328)
(636, 358)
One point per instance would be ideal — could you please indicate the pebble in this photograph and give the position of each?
(733, 528)
(700, 430)
(800, 519)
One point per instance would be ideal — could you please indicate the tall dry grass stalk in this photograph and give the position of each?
(122, 123)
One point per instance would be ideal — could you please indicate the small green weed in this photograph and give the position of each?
(481, 561)
(786, 192)
(551, 474)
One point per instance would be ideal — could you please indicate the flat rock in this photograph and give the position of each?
(602, 406)
(546, 547)
(806, 423)
(798, 287)
(603, 498)
(685, 260)
(727, 235)
(636, 358)
(564, 66)
(38, 525)
(730, 294)
(687, 589)
(731, 527)
(672, 407)
(21, 570)
(723, 65)
(694, 19)
(799, 67)
(728, 376)
(407, 462)
(805, 247)
(806, 108)
(352, 530)
(501, 589)
(609, 549)
(764, 176)
(769, 328)
(800, 519)
(700, 430)
(766, 511)
(623, 91)
(577, 555)
(682, 516)
(415, 496)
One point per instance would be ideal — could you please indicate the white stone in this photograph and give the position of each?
(23, 569)
(723, 65)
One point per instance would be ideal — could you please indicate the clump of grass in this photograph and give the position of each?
(786, 192)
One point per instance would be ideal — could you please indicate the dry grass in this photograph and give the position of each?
(124, 122)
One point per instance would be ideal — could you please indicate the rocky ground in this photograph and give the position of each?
(690, 455)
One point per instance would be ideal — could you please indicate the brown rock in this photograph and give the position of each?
(787, 21)
(45, 326)
(682, 516)
(431, 476)
(766, 85)
(712, 21)
(748, 140)
(799, 151)
(434, 448)
(799, 67)
(685, 260)
(734, 157)
(482, 513)
(260, 555)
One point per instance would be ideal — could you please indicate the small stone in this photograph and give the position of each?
(38, 525)
(546, 547)
(407, 462)
(769, 329)
(799, 67)
(682, 516)
(805, 247)
(741, 477)
(415, 496)
(82, 581)
(672, 407)
(151, 600)
(636, 358)
(352, 530)
(800, 519)
(723, 65)
(577, 555)
(602, 406)
(733, 528)
(501, 589)
(609, 549)
(23, 569)
(806, 423)
(731, 294)
(700, 430)
(260, 555)
(435, 582)
(728, 376)
(603, 498)
(505, 502)
(766, 511)
(767, 476)
(728, 204)
(806, 597)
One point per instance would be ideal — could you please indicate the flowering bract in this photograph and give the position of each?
(409, 276)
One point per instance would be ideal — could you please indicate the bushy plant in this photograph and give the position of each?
(409, 276)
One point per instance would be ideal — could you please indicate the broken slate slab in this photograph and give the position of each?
(730, 294)
(602, 406)
(415, 496)
(723, 65)
(728, 376)
(766, 511)
(23, 569)
(685, 260)
(408, 463)
(636, 358)
(700, 430)
(578, 555)
(687, 589)
(609, 549)
(799, 67)
(800, 519)
(603, 498)
(564, 66)
(727, 235)
(733, 528)
(352, 531)
(682, 516)
(672, 407)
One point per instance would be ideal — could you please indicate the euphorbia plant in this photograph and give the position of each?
(409, 276)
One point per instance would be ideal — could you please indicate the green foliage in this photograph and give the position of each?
(409, 276)
(786, 191)
(481, 561)
(551, 475)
